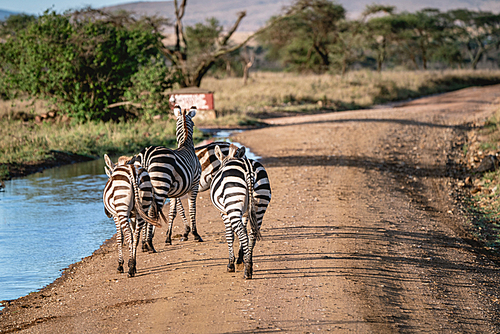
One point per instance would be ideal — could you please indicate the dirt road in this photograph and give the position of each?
(361, 236)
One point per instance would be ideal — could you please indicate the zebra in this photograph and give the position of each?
(127, 196)
(174, 173)
(210, 165)
(233, 193)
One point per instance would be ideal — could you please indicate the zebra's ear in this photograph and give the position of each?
(218, 153)
(192, 111)
(108, 162)
(177, 110)
(108, 172)
(240, 153)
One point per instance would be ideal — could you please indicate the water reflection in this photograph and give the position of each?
(49, 220)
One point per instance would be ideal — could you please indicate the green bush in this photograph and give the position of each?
(148, 87)
(83, 63)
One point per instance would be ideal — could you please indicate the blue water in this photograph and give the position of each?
(50, 220)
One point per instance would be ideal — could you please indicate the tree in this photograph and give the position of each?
(198, 48)
(303, 36)
(379, 34)
(418, 34)
(478, 31)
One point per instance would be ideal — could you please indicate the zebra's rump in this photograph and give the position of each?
(172, 172)
(229, 189)
(118, 194)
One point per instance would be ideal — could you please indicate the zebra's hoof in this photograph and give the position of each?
(248, 271)
(120, 269)
(198, 238)
(230, 268)
(168, 241)
(184, 238)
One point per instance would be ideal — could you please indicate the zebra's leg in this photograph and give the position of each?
(192, 211)
(144, 239)
(129, 235)
(182, 213)
(241, 232)
(119, 244)
(150, 231)
(132, 269)
(149, 238)
(239, 261)
(229, 240)
(171, 216)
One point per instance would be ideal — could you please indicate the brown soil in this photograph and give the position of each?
(362, 236)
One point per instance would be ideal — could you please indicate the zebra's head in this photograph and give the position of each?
(234, 153)
(184, 129)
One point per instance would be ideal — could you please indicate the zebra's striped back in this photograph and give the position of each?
(174, 173)
(210, 165)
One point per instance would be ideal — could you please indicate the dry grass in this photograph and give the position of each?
(238, 105)
(285, 91)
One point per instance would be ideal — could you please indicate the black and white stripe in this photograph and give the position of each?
(233, 193)
(210, 165)
(173, 173)
(127, 197)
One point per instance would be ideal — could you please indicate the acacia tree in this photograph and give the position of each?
(197, 48)
(304, 35)
(379, 34)
(417, 34)
(478, 31)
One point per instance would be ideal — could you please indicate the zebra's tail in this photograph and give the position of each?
(252, 214)
(138, 208)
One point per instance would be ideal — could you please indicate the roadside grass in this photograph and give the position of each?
(268, 93)
(482, 202)
(26, 142)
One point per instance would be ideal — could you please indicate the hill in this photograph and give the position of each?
(259, 11)
(5, 13)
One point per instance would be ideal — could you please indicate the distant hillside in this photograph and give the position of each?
(259, 11)
(4, 14)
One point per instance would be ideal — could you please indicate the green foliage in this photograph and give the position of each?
(313, 35)
(148, 88)
(202, 38)
(82, 63)
(14, 23)
(302, 38)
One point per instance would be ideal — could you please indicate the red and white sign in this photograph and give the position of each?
(186, 101)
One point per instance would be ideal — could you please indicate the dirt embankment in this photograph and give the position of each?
(361, 236)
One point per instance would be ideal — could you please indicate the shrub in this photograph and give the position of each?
(82, 63)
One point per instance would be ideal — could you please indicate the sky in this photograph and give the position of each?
(39, 6)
